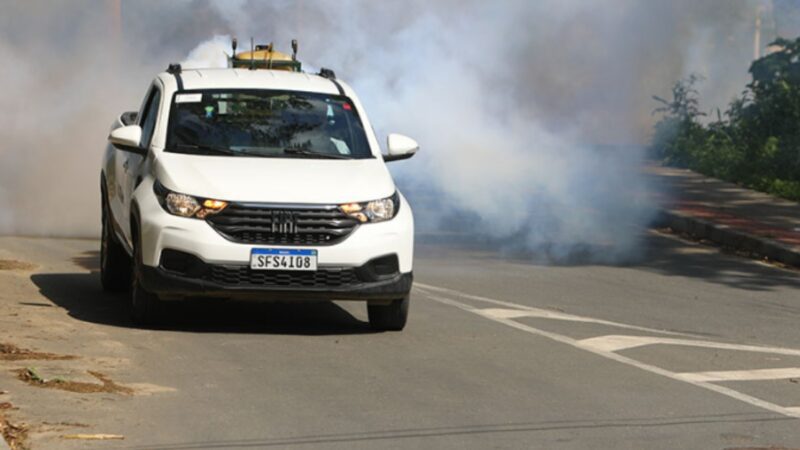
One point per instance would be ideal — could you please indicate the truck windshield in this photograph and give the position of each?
(266, 123)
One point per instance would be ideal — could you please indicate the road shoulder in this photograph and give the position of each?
(742, 220)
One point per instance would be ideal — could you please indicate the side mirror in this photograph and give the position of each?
(127, 139)
(400, 147)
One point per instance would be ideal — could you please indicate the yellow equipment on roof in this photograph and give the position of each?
(265, 57)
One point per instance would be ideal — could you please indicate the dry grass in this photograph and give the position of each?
(12, 264)
(16, 435)
(10, 352)
(107, 385)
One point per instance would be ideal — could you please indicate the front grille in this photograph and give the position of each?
(244, 276)
(283, 225)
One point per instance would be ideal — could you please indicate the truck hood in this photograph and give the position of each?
(275, 180)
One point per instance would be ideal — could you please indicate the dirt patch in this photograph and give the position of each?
(16, 435)
(10, 352)
(12, 264)
(108, 386)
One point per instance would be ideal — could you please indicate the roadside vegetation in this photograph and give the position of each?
(755, 142)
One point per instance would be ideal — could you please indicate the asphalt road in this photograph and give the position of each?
(684, 348)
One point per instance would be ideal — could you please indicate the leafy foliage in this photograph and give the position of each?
(756, 142)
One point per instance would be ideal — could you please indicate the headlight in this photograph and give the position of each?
(374, 211)
(184, 205)
(181, 204)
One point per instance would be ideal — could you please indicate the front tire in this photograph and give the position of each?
(115, 264)
(145, 306)
(391, 317)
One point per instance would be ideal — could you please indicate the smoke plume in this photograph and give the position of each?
(530, 115)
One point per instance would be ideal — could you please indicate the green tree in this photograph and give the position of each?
(679, 131)
(756, 142)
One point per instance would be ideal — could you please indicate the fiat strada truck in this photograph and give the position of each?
(253, 183)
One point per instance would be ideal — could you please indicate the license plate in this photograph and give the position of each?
(283, 259)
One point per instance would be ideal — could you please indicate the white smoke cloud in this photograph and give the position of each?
(209, 54)
(482, 156)
(508, 100)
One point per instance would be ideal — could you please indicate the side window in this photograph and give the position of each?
(149, 114)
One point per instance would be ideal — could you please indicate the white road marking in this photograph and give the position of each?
(789, 412)
(527, 311)
(615, 343)
(794, 409)
(743, 375)
(499, 313)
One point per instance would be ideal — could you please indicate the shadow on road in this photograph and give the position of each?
(675, 257)
(662, 254)
(88, 260)
(83, 298)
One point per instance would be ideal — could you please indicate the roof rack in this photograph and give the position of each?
(263, 56)
(327, 73)
(175, 70)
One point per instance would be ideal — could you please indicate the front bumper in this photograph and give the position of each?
(236, 282)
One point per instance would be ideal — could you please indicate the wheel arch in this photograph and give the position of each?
(135, 223)
(103, 188)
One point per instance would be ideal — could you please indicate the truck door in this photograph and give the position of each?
(130, 165)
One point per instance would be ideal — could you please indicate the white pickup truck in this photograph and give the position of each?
(259, 185)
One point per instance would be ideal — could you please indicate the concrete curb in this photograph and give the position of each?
(729, 237)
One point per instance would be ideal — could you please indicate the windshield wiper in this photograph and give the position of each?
(206, 149)
(310, 154)
(213, 150)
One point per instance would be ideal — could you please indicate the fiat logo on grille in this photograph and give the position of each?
(284, 222)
